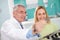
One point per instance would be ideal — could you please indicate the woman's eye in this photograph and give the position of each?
(43, 13)
(39, 14)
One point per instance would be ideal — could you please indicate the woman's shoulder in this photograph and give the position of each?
(54, 25)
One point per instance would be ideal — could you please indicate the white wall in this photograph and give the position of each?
(4, 14)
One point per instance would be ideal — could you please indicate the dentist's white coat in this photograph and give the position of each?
(11, 30)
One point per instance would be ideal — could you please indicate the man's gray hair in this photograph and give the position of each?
(15, 7)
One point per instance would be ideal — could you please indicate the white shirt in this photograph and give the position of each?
(11, 30)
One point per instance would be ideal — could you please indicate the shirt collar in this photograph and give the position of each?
(16, 22)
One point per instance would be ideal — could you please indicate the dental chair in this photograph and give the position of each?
(53, 36)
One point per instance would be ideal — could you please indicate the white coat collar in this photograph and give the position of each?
(16, 22)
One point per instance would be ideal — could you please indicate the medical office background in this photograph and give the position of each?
(52, 7)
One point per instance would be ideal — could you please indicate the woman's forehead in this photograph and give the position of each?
(41, 11)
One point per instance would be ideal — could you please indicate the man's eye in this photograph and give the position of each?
(21, 11)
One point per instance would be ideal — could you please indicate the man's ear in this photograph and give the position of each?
(26, 19)
(14, 13)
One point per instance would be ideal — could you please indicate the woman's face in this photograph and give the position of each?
(41, 15)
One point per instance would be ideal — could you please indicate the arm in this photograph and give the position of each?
(30, 34)
(10, 31)
(34, 31)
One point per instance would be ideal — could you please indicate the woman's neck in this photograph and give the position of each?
(43, 22)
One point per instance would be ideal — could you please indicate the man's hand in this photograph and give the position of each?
(38, 27)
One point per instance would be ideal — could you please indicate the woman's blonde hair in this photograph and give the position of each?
(35, 16)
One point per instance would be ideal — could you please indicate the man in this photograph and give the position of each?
(13, 29)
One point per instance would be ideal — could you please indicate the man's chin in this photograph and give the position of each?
(22, 20)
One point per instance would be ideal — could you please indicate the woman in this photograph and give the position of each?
(42, 25)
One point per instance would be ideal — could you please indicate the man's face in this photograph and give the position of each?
(20, 14)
